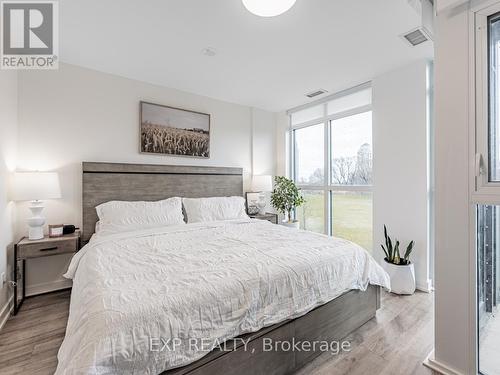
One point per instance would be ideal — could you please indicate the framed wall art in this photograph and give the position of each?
(173, 131)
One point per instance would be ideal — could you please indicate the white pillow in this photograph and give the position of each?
(212, 209)
(120, 216)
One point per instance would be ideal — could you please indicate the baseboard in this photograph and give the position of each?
(32, 290)
(425, 287)
(439, 367)
(5, 312)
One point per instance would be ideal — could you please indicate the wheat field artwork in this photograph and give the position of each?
(174, 131)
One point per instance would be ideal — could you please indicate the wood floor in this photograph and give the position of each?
(395, 342)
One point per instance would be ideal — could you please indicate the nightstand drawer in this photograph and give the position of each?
(55, 247)
(273, 218)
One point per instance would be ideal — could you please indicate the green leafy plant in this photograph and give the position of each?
(391, 251)
(286, 196)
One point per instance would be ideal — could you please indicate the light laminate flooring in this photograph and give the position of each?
(395, 342)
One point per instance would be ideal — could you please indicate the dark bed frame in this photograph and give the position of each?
(332, 321)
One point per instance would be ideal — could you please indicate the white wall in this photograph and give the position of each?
(447, 4)
(75, 114)
(264, 147)
(263, 142)
(282, 126)
(452, 265)
(400, 193)
(8, 146)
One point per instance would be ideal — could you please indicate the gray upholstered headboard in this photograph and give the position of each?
(103, 182)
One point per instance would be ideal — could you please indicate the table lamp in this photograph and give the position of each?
(262, 184)
(33, 187)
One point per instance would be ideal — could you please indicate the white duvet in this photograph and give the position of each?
(204, 281)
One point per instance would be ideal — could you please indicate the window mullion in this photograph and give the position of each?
(327, 179)
(291, 150)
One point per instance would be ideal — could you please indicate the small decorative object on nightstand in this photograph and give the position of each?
(33, 186)
(262, 185)
(273, 218)
(252, 203)
(56, 230)
(29, 249)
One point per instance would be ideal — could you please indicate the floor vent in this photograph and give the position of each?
(316, 93)
(416, 37)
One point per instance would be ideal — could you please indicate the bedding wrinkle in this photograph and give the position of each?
(207, 282)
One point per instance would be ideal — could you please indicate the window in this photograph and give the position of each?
(311, 214)
(309, 155)
(352, 217)
(487, 158)
(486, 194)
(488, 287)
(331, 161)
(494, 104)
(351, 150)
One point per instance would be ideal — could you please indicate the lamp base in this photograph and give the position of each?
(35, 233)
(36, 222)
(262, 203)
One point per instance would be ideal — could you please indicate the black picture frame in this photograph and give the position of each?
(253, 197)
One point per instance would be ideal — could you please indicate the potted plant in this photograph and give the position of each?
(285, 198)
(400, 269)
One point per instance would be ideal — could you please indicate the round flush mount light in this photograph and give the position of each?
(268, 8)
(209, 51)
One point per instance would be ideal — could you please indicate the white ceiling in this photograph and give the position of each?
(269, 63)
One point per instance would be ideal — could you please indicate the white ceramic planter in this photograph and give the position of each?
(402, 277)
(291, 224)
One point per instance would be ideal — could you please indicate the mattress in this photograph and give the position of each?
(185, 289)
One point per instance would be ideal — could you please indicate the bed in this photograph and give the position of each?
(205, 298)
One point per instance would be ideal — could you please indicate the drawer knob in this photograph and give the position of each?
(49, 248)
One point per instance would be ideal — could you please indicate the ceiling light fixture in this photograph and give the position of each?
(209, 51)
(268, 8)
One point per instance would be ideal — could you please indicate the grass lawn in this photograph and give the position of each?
(352, 216)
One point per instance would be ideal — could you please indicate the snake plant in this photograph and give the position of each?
(392, 254)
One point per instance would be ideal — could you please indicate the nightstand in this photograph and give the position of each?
(26, 249)
(273, 218)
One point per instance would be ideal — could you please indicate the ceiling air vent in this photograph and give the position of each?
(316, 93)
(416, 37)
(425, 29)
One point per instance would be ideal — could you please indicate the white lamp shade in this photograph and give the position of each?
(268, 8)
(262, 183)
(31, 186)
